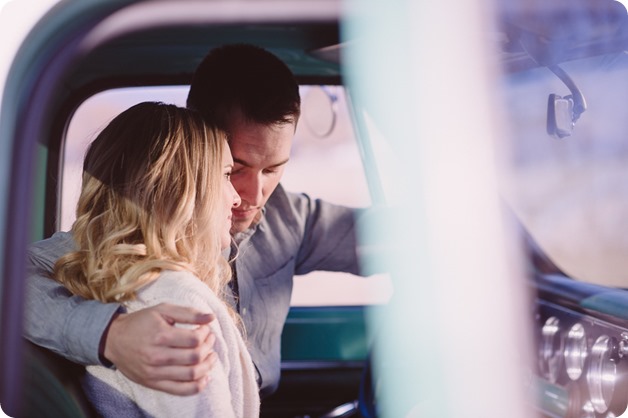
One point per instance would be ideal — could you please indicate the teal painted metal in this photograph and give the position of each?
(26, 117)
(39, 194)
(552, 398)
(334, 334)
(610, 302)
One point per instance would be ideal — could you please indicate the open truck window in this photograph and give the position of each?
(325, 163)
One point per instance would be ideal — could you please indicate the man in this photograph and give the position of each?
(253, 96)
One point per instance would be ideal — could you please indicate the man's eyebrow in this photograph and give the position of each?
(244, 163)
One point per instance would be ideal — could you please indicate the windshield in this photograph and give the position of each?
(571, 193)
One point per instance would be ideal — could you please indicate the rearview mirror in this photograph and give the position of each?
(563, 112)
(560, 116)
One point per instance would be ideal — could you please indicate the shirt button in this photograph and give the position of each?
(243, 311)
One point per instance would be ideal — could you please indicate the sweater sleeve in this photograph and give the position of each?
(223, 395)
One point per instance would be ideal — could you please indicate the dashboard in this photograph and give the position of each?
(582, 349)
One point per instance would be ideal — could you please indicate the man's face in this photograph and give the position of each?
(230, 198)
(260, 153)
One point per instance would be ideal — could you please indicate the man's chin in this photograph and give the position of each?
(240, 226)
(241, 223)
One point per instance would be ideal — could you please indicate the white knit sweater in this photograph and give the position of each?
(231, 391)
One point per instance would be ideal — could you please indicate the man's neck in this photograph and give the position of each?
(241, 236)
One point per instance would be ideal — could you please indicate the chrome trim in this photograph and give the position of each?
(551, 349)
(602, 373)
(313, 365)
(575, 351)
(587, 410)
(345, 410)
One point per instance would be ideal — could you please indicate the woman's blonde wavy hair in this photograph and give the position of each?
(152, 180)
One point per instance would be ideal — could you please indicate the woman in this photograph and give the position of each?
(153, 216)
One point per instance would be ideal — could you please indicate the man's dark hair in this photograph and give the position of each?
(248, 79)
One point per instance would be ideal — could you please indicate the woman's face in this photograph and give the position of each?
(230, 197)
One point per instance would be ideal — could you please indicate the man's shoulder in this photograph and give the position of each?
(302, 204)
(281, 196)
(285, 207)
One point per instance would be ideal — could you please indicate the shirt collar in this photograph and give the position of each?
(244, 235)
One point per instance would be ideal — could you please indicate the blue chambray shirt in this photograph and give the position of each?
(296, 235)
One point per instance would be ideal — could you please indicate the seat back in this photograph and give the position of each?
(52, 386)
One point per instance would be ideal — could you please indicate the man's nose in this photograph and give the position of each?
(236, 197)
(250, 189)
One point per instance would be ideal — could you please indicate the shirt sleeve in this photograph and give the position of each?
(55, 319)
(330, 224)
(336, 237)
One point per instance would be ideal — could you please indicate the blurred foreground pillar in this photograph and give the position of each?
(455, 339)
